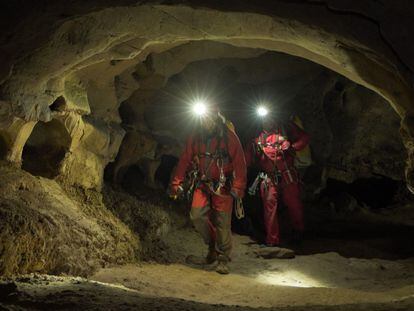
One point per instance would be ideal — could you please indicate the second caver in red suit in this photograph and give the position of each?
(273, 151)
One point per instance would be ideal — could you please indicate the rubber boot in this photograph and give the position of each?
(201, 261)
(222, 266)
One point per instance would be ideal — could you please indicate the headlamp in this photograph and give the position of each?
(200, 108)
(262, 111)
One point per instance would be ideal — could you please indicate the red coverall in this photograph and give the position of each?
(276, 163)
(211, 213)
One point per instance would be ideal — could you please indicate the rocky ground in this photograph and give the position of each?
(359, 259)
(320, 281)
(316, 282)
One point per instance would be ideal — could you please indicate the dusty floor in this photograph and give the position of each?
(325, 281)
(369, 269)
(319, 279)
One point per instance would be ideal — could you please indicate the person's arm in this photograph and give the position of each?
(249, 153)
(239, 166)
(300, 139)
(183, 165)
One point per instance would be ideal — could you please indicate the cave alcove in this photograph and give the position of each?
(46, 148)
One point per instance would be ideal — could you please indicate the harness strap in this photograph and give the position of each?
(238, 208)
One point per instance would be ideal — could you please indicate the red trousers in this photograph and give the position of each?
(290, 194)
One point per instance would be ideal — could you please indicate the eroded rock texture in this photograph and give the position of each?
(95, 57)
(89, 86)
(46, 230)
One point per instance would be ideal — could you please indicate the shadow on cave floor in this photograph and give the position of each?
(365, 234)
(390, 242)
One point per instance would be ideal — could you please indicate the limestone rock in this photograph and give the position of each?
(43, 229)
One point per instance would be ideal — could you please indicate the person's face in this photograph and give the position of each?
(208, 123)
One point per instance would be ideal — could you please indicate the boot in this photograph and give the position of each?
(201, 261)
(211, 256)
(222, 266)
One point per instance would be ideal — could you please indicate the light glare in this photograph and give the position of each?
(262, 111)
(199, 108)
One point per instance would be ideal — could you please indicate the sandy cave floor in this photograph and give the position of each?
(324, 281)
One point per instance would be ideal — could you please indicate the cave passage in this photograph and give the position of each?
(349, 173)
(95, 113)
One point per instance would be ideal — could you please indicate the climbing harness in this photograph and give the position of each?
(289, 174)
(253, 188)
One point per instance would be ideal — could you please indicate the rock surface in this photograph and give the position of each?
(88, 57)
(42, 228)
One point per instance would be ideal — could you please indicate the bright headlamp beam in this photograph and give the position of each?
(199, 108)
(262, 111)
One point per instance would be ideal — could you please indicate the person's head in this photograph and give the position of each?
(268, 123)
(212, 118)
(209, 123)
(272, 121)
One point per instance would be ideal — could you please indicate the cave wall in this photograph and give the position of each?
(82, 57)
(96, 68)
(46, 230)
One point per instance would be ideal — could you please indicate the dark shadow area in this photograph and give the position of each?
(59, 104)
(133, 179)
(394, 246)
(3, 147)
(45, 149)
(373, 192)
(126, 113)
(347, 230)
(164, 171)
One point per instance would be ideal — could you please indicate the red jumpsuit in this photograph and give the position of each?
(274, 153)
(211, 213)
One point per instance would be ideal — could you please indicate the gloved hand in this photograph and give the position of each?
(285, 145)
(175, 192)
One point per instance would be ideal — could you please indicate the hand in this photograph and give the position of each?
(285, 145)
(175, 192)
(281, 139)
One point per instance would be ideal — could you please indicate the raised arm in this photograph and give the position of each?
(299, 138)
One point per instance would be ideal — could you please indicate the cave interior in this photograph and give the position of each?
(95, 111)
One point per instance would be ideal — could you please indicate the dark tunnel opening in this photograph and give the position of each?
(133, 179)
(45, 149)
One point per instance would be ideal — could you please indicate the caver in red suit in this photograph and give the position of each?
(273, 151)
(217, 154)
